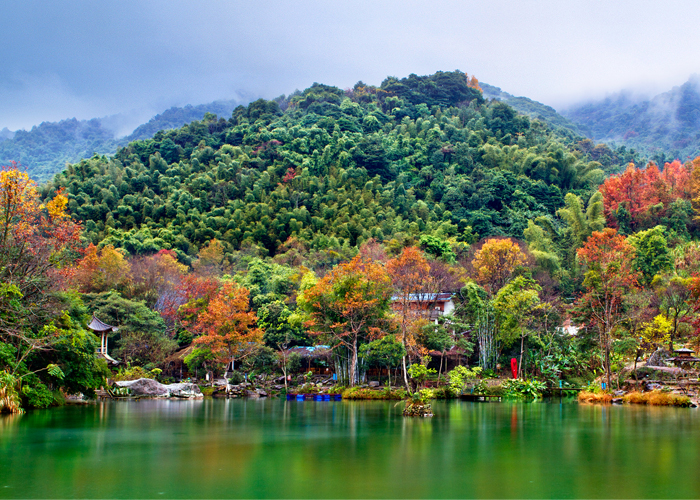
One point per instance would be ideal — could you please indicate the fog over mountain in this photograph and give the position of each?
(665, 126)
(88, 59)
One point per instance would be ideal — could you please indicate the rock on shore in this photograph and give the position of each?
(147, 387)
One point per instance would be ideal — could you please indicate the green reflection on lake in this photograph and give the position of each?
(282, 449)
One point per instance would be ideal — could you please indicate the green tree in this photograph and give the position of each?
(514, 305)
(652, 253)
(385, 352)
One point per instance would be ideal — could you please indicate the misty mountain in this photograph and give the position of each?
(46, 149)
(5, 133)
(531, 108)
(665, 127)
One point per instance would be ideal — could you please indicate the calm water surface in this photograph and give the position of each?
(280, 449)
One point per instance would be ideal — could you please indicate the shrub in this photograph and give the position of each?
(364, 393)
(443, 393)
(236, 378)
(459, 376)
(207, 390)
(523, 388)
(38, 396)
(656, 398)
(594, 397)
(134, 373)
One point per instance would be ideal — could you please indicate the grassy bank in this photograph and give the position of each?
(652, 398)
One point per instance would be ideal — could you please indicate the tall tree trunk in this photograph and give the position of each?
(405, 375)
(522, 349)
(607, 360)
(353, 365)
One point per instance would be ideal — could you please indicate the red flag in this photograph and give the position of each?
(514, 367)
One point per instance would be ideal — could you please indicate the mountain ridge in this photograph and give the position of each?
(664, 127)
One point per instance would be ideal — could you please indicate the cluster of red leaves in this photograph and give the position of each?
(290, 175)
(607, 259)
(638, 190)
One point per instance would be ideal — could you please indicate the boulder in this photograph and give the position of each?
(184, 390)
(252, 394)
(146, 387)
(659, 358)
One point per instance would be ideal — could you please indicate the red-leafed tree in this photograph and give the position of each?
(156, 278)
(607, 259)
(646, 194)
(182, 306)
(101, 270)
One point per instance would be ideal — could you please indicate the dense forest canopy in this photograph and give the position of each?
(414, 156)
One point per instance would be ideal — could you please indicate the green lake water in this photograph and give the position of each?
(283, 449)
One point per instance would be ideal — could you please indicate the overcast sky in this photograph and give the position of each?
(84, 59)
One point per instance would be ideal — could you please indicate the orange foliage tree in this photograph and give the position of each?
(189, 298)
(37, 242)
(101, 270)
(227, 326)
(607, 259)
(410, 277)
(495, 262)
(646, 194)
(347, 306)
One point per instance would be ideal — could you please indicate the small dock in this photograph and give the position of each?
(480, 398)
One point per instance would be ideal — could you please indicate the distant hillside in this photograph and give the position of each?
(531, 108)
(177, 117)
(46, 149)
(665, 128)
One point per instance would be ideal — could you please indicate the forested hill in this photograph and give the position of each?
(45, 149)
(664, 128)
(320, 172)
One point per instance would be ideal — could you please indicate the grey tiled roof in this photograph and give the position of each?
(98, 326)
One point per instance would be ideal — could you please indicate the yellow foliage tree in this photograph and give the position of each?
(101, 270)
(495, 262)
(657, 331)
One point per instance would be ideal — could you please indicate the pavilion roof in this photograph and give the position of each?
(98, 326)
